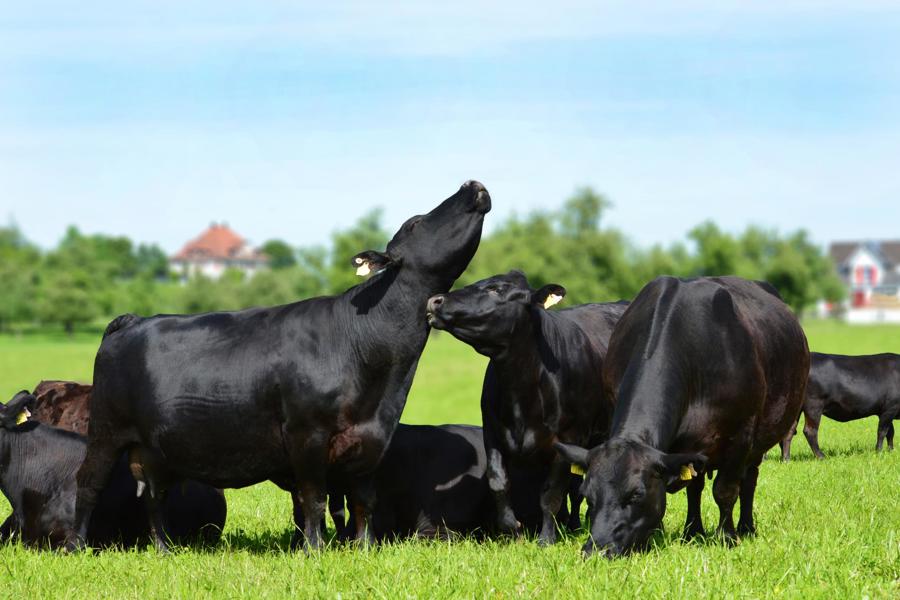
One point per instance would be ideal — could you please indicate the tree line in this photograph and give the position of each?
(87, 279)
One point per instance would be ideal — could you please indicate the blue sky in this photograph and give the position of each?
(153, 119)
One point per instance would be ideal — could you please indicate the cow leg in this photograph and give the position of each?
(786, 442)
(811, 431)
(725, 491)
(746, 526)
(498, 482)
(575, 498)
(885, 425)
(156, 500)
(338, 512)
(9, 529)
(299, 520)
(363, 506)
(552, 497)
(693, 525)
(890, 435)
(313, 497)
(100, 458)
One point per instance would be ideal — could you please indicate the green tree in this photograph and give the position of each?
(151, 261)
(65, 298)
(19, 264)
(281, 255)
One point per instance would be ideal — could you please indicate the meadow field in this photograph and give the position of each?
(827, 529)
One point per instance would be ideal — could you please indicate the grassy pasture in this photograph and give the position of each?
(826, 529)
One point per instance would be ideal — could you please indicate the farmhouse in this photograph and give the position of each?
(215, 250)
(871, 272)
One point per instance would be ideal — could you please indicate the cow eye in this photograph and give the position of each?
(635, 497)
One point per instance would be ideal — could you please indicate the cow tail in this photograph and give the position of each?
(120, 322)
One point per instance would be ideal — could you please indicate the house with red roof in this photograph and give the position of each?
(871, 271)
(215, 250)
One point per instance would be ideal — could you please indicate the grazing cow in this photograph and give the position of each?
(845, 388)
(290, 393)
(432, 482)
(38, 464)
(707, 374)
(542, 384)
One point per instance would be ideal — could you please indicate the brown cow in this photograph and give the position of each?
(63, 404)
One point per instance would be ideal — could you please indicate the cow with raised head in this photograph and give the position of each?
(290, 393)
(845, 388)
(542, 384)
(707, 374)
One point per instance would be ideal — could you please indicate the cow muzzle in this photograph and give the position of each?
(481, 199)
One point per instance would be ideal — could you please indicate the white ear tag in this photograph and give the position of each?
(363, 269)
(551, 300)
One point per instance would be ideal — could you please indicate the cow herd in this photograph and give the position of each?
(617, 403)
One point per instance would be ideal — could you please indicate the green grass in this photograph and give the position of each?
(826, 529)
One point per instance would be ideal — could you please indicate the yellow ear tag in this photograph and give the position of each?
(23, 416)
(687, 472)
(363, 268)
(551, 300)
(576, 469)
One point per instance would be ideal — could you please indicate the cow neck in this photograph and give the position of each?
(650, 404)
(392, 305)
(27, 442)
(519, 366)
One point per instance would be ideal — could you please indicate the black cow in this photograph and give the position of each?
(542, 384)
(288, 393)
(432, 482)
(38, 464)
(707, 374)
(845, 388)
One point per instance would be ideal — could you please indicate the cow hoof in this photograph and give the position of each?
(693, 533)
(729, 540)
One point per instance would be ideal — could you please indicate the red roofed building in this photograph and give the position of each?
(218, 248)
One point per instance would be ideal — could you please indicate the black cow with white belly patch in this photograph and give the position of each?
(542, 385)
(433, 482)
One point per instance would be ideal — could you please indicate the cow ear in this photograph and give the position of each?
(371, 261)
(575, 455)
(548, 295)
(681, 468)
(17, 410)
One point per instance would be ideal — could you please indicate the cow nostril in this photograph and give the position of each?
(434, 302)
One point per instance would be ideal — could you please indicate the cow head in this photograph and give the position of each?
(16, 411)
(625, 486)
(438, 245)
(487, 313)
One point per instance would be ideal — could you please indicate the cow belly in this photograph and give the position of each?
(228, 451)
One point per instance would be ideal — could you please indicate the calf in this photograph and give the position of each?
(542, 384)
(294, 394)
(433, 481)
(707, 374)
(845, 388)
(37, 474)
